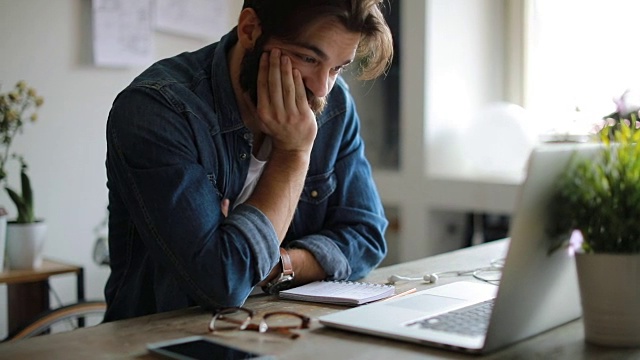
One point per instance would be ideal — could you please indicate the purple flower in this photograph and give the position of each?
(575, 242)
(628, 102)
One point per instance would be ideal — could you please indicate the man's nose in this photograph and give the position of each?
(320, 83)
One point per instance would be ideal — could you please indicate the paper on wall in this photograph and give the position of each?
(122, 33)
(203, 19)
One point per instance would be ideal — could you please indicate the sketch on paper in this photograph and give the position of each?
(202, 19)
(122, 33)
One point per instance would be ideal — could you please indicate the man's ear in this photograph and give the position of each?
(249, 28)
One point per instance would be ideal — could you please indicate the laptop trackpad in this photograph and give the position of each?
(429, 303)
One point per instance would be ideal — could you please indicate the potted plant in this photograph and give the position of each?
(25, 234)
(595, 210)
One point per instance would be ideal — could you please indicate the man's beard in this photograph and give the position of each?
(249, 79)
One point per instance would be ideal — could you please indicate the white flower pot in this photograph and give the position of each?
(25, 243)
(610, 298)
(3, 240)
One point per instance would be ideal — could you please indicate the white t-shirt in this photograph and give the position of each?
(255, 171)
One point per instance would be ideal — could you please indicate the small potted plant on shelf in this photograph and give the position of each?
(595, 210)
(25, 234)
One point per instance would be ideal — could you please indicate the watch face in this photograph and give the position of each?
(283, 283)
(280, 286)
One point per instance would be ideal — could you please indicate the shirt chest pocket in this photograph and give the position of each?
(318, 188)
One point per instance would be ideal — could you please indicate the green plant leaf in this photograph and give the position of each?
(27, 193)
(600, 196)
(20, 206)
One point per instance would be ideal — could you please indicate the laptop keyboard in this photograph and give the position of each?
(471, 320)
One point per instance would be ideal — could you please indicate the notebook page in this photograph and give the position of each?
(339, 292)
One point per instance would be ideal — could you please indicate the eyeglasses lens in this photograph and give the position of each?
(279, 321)
(230, 319)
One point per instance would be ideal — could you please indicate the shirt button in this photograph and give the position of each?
(243, 156)
(314, 194)
(247, 136)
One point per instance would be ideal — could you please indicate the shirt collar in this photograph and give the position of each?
(223, 96)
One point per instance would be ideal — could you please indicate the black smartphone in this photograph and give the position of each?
(201, 348)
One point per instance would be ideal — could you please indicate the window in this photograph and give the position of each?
(580, 55)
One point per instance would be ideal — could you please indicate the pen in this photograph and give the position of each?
(410, 291)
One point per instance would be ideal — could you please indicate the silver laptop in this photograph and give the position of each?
(537, 291)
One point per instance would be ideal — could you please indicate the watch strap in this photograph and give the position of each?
(285, 279)
(285, 260)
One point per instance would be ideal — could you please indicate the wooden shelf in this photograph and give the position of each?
(28, 290)
(49, 268)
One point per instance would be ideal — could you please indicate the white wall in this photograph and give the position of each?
(48, 44)
(465, 72)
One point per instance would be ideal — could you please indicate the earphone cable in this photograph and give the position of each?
(490, 274)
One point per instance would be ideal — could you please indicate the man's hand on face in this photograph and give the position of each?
(283, 110)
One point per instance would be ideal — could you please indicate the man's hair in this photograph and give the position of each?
(286, 19)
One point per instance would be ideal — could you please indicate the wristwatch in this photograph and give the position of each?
(285, 280)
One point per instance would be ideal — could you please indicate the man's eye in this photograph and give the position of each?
(308, 59)
(338, 69)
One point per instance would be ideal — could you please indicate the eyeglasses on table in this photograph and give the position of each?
(239, 318)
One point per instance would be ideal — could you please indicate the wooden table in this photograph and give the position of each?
(28, 290)
(127, 339)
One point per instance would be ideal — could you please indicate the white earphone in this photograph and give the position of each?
(490, 274)
(428, 278)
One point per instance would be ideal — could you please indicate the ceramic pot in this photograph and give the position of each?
(3, 240)
(25, 243)
(610, 298)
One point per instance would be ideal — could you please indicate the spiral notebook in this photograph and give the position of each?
(339, 292)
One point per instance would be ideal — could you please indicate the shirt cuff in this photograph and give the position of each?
(327, 253)
(260, 235)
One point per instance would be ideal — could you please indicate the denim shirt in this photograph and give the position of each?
(176, 147)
